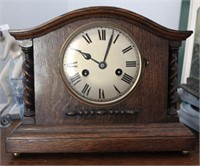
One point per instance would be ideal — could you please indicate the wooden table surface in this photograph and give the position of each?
(141, 158)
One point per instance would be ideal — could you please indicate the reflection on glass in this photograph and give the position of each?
(17, 88)
(194, 73)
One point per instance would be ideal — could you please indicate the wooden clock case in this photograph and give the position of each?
(54, 121)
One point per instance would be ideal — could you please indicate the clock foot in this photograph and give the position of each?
(16, 155)
(185, 152)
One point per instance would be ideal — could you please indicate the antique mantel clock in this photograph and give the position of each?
(100, 79)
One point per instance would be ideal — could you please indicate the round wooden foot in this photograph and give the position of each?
(16, 155)
(185, 152)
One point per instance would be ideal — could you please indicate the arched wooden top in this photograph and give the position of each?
(109, 12)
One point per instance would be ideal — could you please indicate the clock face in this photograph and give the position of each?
(100, 63)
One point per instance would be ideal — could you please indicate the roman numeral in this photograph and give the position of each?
(75, 79)
(86, 89)
(87, 38)
(130, 63)
(102, 34)
(118, 91)
(72, 64)
(127, 78)
(116, 39)
(101, 94)
(127, 49)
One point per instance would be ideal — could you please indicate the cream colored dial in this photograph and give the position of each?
(100, 63)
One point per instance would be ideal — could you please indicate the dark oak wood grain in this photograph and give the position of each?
(51, 129)
(136, 158)
(154, 80)
(155, 97)
(28, 82)
(100, 138)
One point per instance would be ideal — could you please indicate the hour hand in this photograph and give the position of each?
(87, 56)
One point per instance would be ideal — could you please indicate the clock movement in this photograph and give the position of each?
(100, 79)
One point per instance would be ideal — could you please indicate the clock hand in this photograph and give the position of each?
(87, 56)
(109, 45)
(94, 60)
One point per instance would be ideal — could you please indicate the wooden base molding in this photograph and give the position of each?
(100, 138)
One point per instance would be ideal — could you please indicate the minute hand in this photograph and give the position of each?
(109, 45)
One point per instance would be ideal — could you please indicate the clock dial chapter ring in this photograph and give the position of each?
(100, 63)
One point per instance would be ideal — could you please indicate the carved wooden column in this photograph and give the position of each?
(173, 77)
(28, 73)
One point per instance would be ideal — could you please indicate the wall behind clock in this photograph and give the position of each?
(21, 14)
(28, 13)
